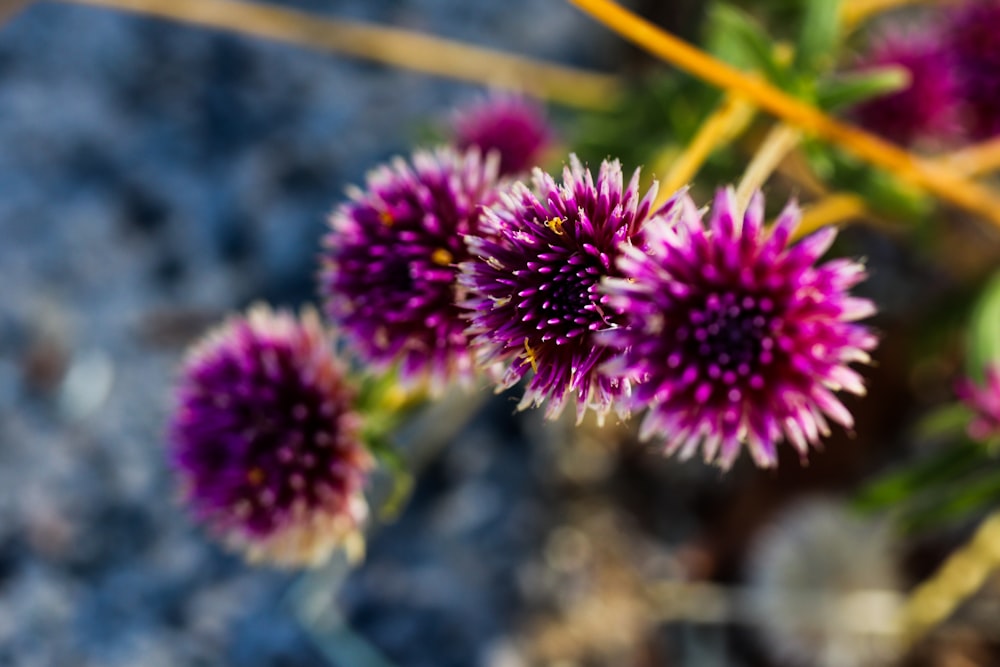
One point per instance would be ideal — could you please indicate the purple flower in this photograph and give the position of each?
(985, 403)
(510, 125)
(736, 338)
(390, 263)
(928, 108)
(266, 442)
(974, 44)
(534, 285)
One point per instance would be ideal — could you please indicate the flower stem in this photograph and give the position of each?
(961, 575)
(728, 120)
(393, 46)
(779, 141)
(909, 168)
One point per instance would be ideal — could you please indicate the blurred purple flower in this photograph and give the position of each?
(974, 42)
(514, 127)
(390, 263)
(928, 108)
(265, 440)
(985, 403)
(534, 283)
(734, 337)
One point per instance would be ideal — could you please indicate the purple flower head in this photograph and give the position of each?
(735, 337)
(265, 440)
(512, 126)
(929, 106)
(534, 285)
(974, 44)
(985, 403)
(390, 264)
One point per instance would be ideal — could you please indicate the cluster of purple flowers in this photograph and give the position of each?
(954, 71)
(266, 437)
(726, 334)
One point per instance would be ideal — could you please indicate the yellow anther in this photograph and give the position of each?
(442, 257)
(255, 476)
(531, 356)
(386, 218)
(556, 225)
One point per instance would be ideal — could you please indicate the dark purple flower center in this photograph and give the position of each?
(732, 337)
(567, 297)
(274, 428)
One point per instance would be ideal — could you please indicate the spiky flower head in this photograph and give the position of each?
(390, 263)
(534, 283)
(973, 43)
(985, 403)
(513, 126)
(736, 337)
(928, 107)
(265, 440)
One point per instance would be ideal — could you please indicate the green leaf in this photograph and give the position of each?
(401, 480)
(946, 486)
(948, 420)
(937, 470)
(883, 192)
(816, 47)
(958, 502)
(888, 195)
(402, 488)
(983, 337)
(738, 39)
(843, 90)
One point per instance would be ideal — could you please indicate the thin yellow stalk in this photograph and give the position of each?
(907, 167)
(728, 120)
(392, 46)
(776, 145)
(981, 158)
(833, 209)
(960, 576)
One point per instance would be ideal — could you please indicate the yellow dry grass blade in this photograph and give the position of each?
(779, 141)
(392, 46)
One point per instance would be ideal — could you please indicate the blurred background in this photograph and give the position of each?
(156, 177)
